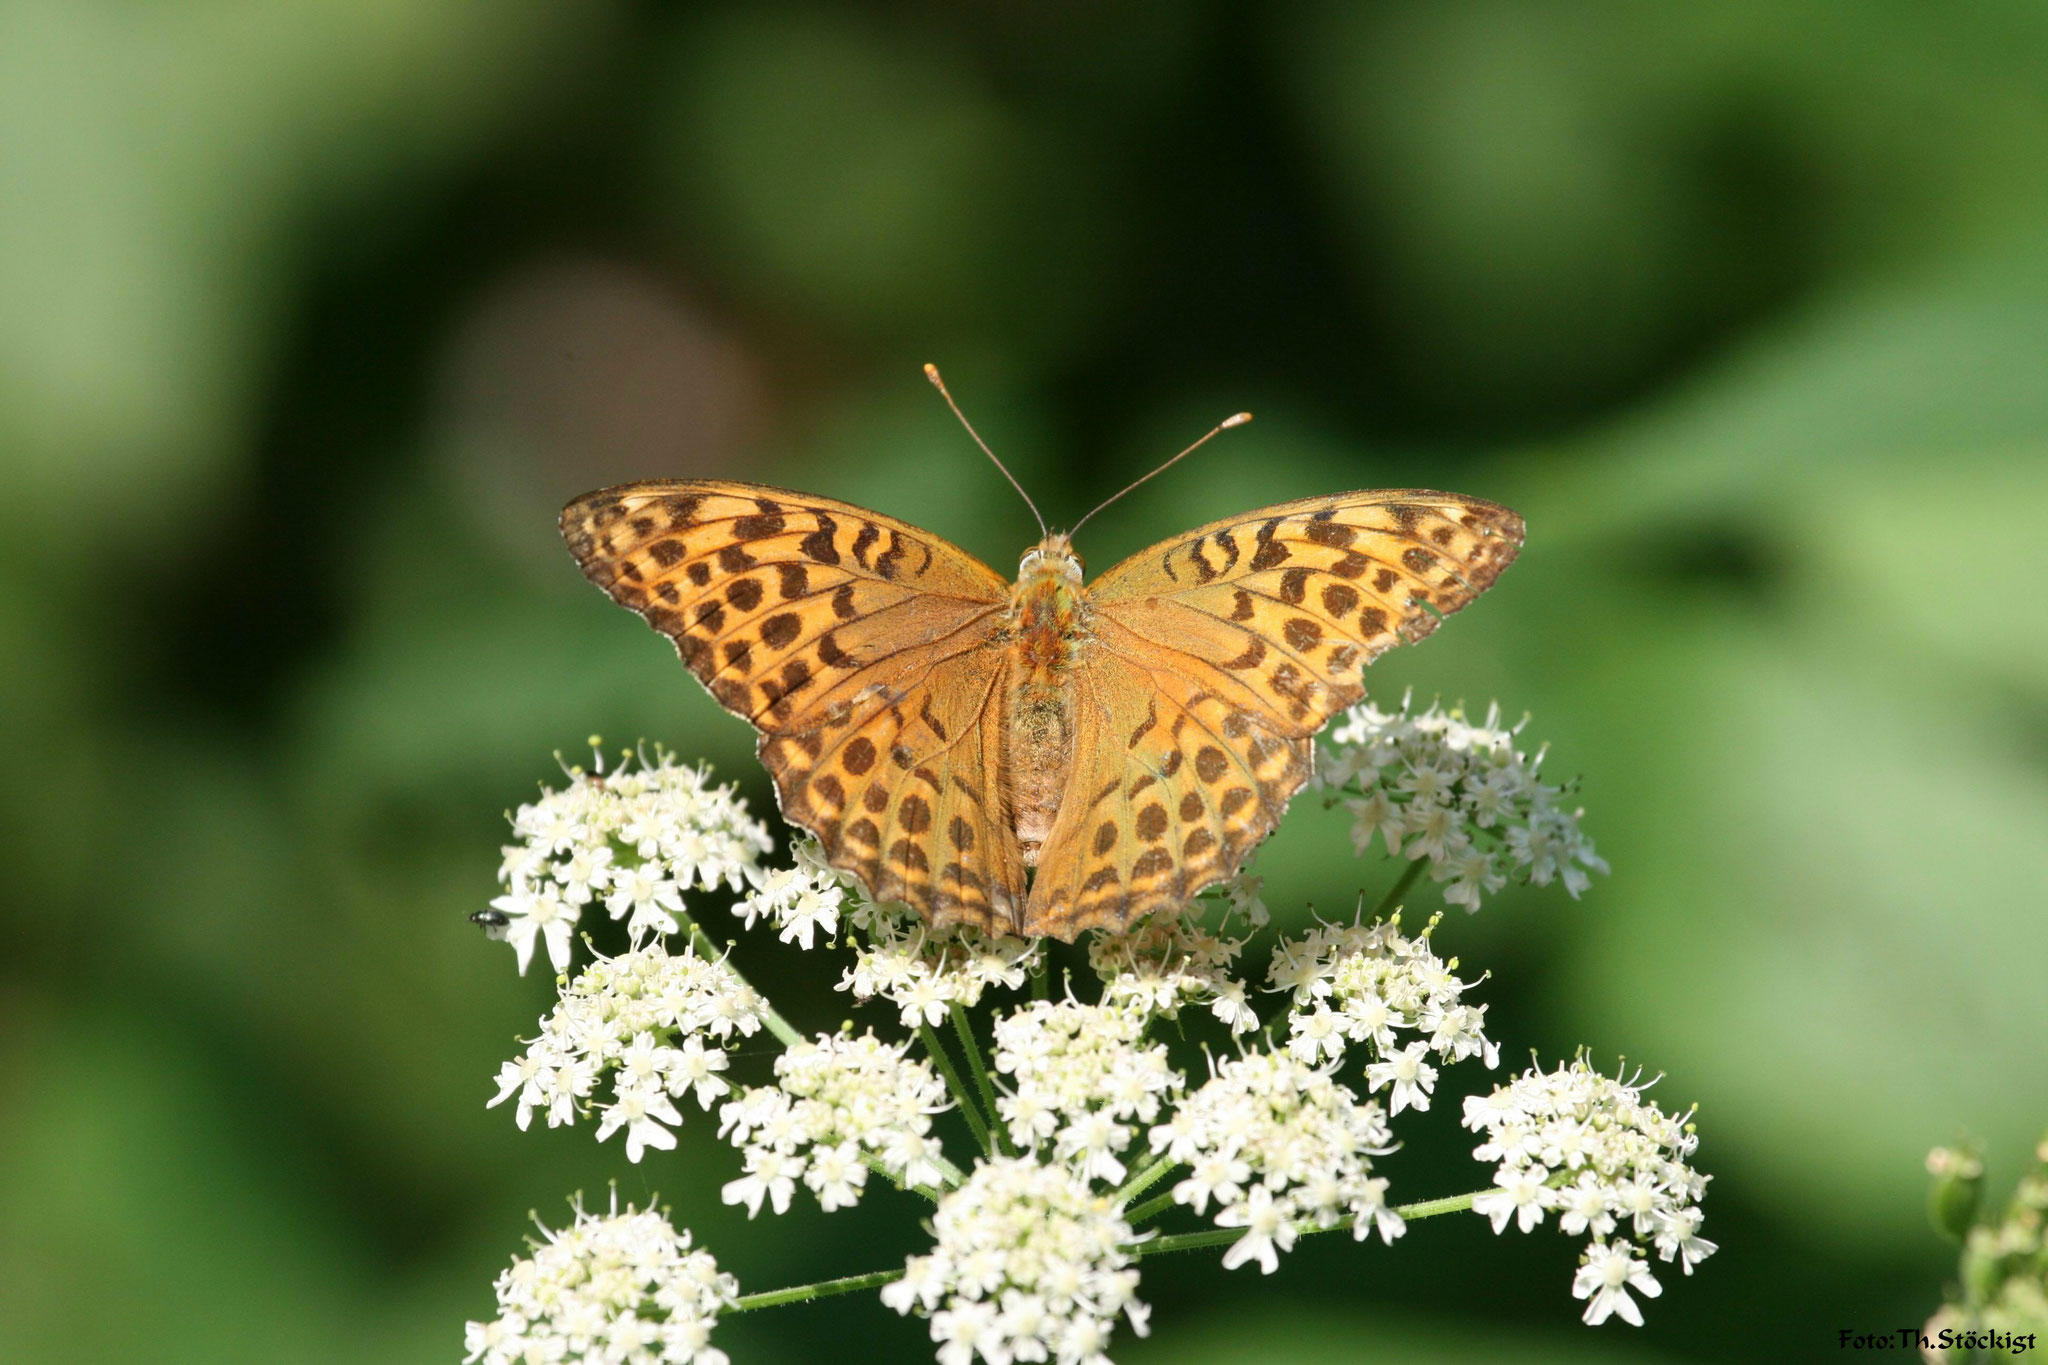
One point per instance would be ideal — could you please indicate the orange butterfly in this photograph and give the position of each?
(941, 730)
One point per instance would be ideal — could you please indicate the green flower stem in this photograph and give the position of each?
(1186, 1241)
(954, 1176)
(846, 1284)
(1430, 1208)
(965, 1028)
(1195, 1241)
(1216, 1237)
(1041, 974)
(968, 1109)
(1392, 900)
(701, 941)
(1151, 1208)
(1143, 1180)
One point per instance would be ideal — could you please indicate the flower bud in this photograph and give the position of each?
(1958, 1181)
(1983, 1267)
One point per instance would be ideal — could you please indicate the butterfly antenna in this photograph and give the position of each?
(1235, 420)
(931, 372)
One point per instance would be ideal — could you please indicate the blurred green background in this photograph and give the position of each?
(312, 314)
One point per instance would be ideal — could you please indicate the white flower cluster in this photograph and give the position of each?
(1590, 1148)
(1359, 984)
(1029, 1266)
(1277, 1143)
(1433, 785)
(923, 971)
(801, 901)
(621, 1288)
(634, 839)
(1080, 1077)
(835, 1102)
(645, 1015)
(1160, 964)
(1035, 1249)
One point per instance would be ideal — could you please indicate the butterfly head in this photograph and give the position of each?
(1052, 557)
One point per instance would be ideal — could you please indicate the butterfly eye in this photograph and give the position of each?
(1032, 559)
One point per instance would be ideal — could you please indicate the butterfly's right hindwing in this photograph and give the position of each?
(862, 650)
(1175, 794)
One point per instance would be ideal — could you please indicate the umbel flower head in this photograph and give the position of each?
(1277, 1143)
(1609, 1163)
(1433, 785)
(838, 1104)
(923, 971)
(1170, 960)
(1132, 1105)
(616, 1287)
(658, 1025)
(633, 840)
(1369, 984)
(1083, 1079)
(1029, 1264)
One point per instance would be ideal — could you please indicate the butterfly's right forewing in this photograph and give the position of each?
(1280, 608)
(863, 651)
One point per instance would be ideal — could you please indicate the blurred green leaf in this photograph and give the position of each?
(160, 162)
(872, 178)
(1549, 204)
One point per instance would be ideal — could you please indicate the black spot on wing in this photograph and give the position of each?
(864, 544)
(819, 546)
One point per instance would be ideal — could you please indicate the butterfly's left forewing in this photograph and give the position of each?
(863, 651)
(1215, 657)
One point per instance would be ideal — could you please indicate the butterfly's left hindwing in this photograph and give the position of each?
(860, 647)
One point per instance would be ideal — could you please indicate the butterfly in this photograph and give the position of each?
(944, 732)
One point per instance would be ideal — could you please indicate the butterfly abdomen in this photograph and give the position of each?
(1046, 632)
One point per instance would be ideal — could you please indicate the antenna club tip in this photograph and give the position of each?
(931, 372)
(1237, 419)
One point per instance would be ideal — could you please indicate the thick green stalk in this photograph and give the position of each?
(1143, 1181)
(1185, 1241)
(846, 1284)
(963, 1026)
(1216, 1237)
(968, 1109)
(1430, 1208)
(1195, 1241)
(1151, 1208)
(1392, 900)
